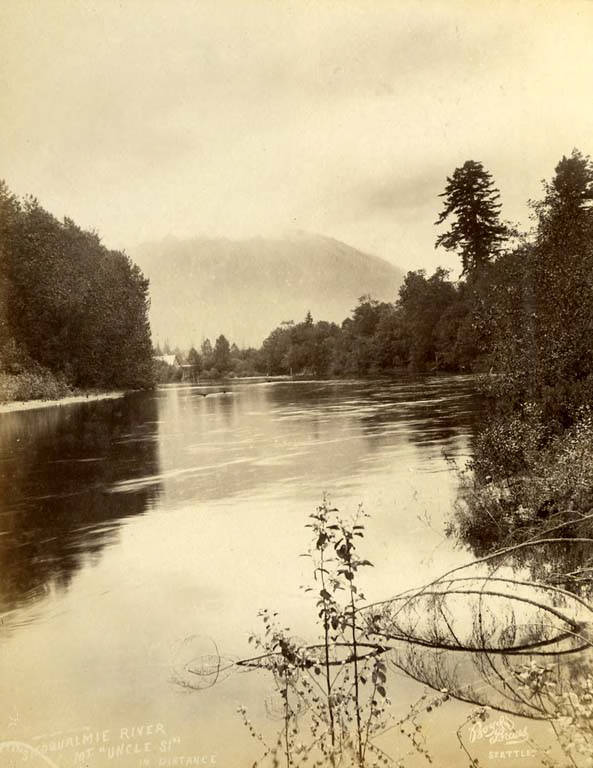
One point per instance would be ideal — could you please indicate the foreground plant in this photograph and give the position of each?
(468, 635)
(338, 687)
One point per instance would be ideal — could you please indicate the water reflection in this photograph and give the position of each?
(514, 646)
(225, 477)
(68, 475)
(216, 443)
(56, 468)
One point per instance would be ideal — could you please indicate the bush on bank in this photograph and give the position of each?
(33, 385)
(525, 479)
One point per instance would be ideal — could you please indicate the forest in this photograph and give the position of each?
(73, 314)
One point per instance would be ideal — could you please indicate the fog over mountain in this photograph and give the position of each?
(245, 288)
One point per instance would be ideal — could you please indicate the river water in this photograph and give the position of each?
(136, 532)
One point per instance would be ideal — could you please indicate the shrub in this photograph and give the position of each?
(507, 446)
(39, 384)
(525, 479)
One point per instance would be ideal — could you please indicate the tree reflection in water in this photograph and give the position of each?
(57, 466)
(485, 633)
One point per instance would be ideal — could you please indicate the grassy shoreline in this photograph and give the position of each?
(37, 387)
(28, 405)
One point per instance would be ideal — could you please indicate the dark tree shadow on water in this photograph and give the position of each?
(57, 466)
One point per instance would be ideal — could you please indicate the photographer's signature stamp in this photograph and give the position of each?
(511, 740)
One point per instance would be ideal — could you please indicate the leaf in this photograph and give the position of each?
(381, 691)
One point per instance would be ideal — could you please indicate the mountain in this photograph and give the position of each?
(245, 288)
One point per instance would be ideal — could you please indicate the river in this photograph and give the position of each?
(137, 532)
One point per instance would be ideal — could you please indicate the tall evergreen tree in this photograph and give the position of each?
(222, 354)
(473, 200)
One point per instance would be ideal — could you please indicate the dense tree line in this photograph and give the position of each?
(533, 462)
(68, 305)
(427, 328)
(541, 307)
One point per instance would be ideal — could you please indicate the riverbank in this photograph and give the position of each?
(28, 405)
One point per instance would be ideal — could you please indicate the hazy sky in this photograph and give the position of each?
(142, 119)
